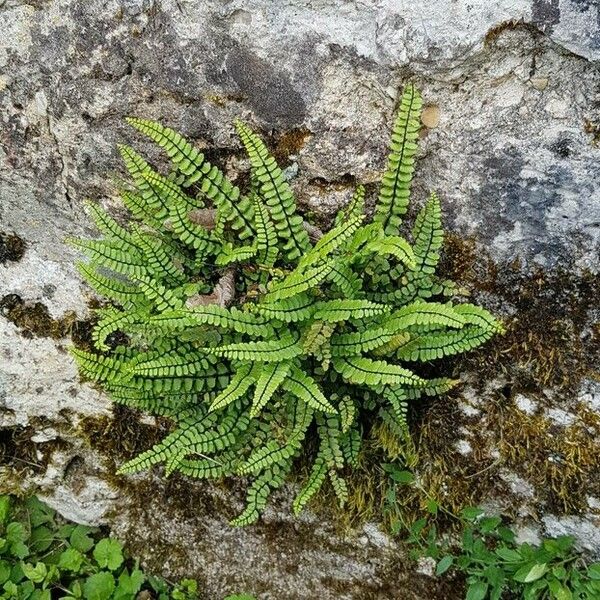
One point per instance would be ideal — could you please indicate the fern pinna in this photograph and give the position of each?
(249, 327)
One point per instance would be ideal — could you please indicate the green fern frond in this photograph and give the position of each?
(285, 348)
(120, 290)
(316, 336)
(424, 314)
(189, 232)
(360, 342)
(159, 261)
(226, 318)
(140, 209)
(269, 455)
(351, 445)
(438, 345)
(394, 194)
(428, 235)
(365, 234)
(395, 246)
(266, 235)
(256, 500)
(335, 239)
(162, 297)
(108, 226)
(277, 194)
(271, 377)
(181, 363)
(229, 254)
(290, 310)
(347, 410)
(389, 347)
(330, 434)
(185, 157)
(198, 433)
(305, 388)
(434, 387)
(340, 487)
(138, 168)
(344, 278)
(207, 468)
(298, 282)
(238, 386)
(333, 311)
(100, 368)
(113, 320)
(316, 479)
(213, 184)
(365, 371)
(111, 255)
(476, 315)
(398, 399)
(169, 191)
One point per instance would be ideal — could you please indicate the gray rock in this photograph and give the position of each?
(515, 161)
(525, 404)
(584, 529)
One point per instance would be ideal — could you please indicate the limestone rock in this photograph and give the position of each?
(515, 160)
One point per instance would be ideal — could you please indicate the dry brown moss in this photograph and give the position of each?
(34, 320)
(592, 129)
(21, 457)
(289, 143)
(511, 25)
(12, 247)
(561, 462)
(123, 435)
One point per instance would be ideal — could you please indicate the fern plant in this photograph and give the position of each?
(251, 329)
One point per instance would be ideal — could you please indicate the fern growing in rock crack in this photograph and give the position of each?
(249, 328)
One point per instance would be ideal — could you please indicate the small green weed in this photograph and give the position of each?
(42, 557)
(494, 563)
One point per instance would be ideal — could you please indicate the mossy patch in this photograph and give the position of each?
(288, 143)
(122, 435)
(551, 334)
(12, 248)
(21, 457)
(562, 463)
(551, 345)
(496, 31)
(593, 130)
(34, 320)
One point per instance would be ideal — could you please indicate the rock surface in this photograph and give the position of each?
(514, 87)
